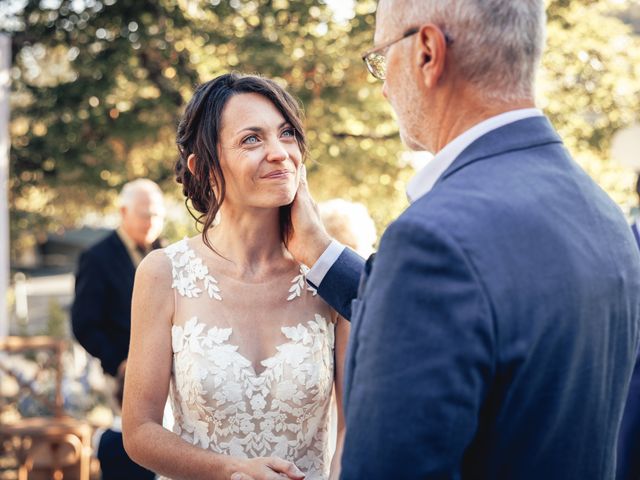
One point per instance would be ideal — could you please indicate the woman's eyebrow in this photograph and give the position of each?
(260, 129)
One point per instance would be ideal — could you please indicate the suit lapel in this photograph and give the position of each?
(121, 255)
(357, 310)
(365, 275)
(636, 233)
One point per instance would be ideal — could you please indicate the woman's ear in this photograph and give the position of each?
(191, 164)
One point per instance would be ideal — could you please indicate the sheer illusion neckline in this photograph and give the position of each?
(278, 403)
(192, 278)
(189, 271)
(276, 276)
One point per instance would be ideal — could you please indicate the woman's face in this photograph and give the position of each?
(258, 152)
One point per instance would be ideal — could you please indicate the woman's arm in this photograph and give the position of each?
(147, 386)
(342, 338)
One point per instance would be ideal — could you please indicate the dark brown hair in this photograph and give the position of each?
(199, 133)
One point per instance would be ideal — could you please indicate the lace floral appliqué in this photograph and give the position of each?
(187, 269)
(222, 404)
(299, 284)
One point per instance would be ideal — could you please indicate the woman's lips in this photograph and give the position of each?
(276, 174)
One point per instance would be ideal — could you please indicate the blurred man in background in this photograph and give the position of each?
(101, 310)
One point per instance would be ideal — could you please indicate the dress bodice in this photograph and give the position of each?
(246, 384)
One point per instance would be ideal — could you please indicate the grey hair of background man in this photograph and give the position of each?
(131, 190)
(497, 43)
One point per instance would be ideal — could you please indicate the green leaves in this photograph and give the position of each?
(99, 85)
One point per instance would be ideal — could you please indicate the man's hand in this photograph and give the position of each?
(269, 468)
(309, 238)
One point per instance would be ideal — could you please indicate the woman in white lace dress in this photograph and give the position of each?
(225, 323)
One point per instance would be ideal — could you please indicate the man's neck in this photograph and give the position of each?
(464, 109)
(464, 122)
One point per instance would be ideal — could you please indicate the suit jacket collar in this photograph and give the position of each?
(521, 135)
(425, 179)
(120, 252)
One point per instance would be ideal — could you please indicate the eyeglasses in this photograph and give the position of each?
(376, 59)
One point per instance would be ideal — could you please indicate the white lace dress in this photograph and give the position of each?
(222, 400)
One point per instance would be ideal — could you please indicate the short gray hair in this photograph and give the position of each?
(497, 43)
(131, 189)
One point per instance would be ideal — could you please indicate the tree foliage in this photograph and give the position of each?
(590, 85)
(99, 85)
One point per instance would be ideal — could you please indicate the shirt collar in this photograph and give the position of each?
(424, 180)
(132, 249)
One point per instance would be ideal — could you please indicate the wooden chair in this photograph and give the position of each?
(56, 447)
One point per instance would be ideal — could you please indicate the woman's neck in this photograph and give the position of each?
(250, 241)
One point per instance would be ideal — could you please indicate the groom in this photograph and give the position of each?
(495, 333)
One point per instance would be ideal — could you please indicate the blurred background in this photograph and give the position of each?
(97, 88)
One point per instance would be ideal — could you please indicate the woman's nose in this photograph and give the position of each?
(277, 152)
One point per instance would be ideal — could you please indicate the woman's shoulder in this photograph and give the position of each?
(181, 246)
(155, 266)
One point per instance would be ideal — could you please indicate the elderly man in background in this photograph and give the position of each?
(104, 280)
(495, 333)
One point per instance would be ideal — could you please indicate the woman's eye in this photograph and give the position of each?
(252, 139)
(289, 132)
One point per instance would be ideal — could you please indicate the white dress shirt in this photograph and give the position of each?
(426, 178)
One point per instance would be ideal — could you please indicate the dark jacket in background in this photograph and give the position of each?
(101, 311)
(115, 464)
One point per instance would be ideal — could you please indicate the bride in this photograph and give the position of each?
(224, 323)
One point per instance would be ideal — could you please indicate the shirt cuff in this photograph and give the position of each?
(324, 263)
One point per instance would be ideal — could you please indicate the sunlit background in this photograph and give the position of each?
(98, 87)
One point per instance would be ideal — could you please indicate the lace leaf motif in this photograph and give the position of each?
(299, 284)
(187, 269)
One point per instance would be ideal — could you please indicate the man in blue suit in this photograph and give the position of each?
(628, 467)
(495, 333)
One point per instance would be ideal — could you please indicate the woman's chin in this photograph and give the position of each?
(282, 201)
(284, 198)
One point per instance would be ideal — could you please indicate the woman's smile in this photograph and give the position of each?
(277, 175)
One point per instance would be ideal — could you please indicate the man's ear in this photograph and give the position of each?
(431, 53)
(191, 164)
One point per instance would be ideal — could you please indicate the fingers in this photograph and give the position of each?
(241, 476)
(270, 475)
(289, 469)
(303, 185)
(303, 173)
(303, 196)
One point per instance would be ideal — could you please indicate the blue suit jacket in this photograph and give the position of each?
(628, 467)
(494, 335)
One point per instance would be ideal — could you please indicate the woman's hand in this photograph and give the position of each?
(266, 468)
